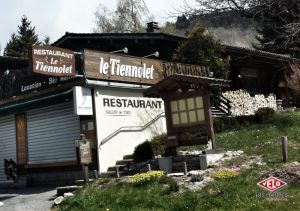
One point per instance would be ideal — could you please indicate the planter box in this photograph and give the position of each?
(165, 164)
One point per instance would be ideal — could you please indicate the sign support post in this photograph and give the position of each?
(85, 156)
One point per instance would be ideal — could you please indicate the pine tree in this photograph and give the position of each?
(19, 43)
(202, 49)
(278, 21)
(278, 26)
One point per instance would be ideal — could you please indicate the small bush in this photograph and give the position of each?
(171, 184)
(263, 114)
(143, 178)
(143, 152)
(159, 144)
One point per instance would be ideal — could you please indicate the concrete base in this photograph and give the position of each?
(214, 157)
(61, 190)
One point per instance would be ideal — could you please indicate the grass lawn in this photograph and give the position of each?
(238, 193)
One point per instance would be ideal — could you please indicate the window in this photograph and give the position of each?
(187, 111)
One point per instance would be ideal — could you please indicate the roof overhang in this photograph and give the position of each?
(172, 82)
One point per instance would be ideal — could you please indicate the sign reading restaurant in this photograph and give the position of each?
(48, 60)
(114, 67)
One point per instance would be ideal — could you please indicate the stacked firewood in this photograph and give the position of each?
(243, 104)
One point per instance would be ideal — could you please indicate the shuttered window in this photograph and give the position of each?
(7, 142)
(52, 132)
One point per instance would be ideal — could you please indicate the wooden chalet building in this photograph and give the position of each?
(38, 127)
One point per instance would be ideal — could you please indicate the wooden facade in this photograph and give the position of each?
(258, 72)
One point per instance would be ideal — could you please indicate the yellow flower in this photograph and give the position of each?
(224, 174)
(142, 178)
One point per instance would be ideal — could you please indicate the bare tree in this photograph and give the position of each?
(129, 16)
(277, 20)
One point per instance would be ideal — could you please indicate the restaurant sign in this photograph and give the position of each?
(114, 67)
(107, 66)
(53, 61)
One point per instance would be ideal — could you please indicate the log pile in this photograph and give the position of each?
(243, 104)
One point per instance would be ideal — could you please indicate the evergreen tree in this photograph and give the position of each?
(202, 49)
(19, 43)
(278, 27)
(278, 21)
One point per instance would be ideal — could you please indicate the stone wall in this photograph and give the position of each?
(243, 104)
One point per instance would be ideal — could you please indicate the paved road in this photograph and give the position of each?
(27, 199)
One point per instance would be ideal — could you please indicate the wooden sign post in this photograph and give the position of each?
(85, 156)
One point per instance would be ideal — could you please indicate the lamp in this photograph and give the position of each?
(6, 72)
(124, 50)
(156, 54)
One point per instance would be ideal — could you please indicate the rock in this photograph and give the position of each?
(233, 153)
(68, 194)
(1, 203)
(240, 152)
(197, 172)
(182, 153)
(195, 186)
(59, 200)
(292, 164)
(261, 163)
(180, 174)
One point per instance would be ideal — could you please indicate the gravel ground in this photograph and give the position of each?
(27, 199)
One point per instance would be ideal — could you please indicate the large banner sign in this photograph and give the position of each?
(48, 60)
(114, 67)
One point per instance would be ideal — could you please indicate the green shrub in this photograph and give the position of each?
(263, 114)
(170, 183)
(143, 152)
(159, 144)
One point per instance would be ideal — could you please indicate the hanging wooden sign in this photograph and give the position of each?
(48, 60)
(116, 67)
(139, 70)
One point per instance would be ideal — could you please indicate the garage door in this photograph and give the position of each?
(7, 142)
(51, 133)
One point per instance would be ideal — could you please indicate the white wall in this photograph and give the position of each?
(110, 118)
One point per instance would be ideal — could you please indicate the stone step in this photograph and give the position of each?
(111, 174)
(121, 168)
(124, 162)
(125, 157)
(81, 181)
(66, 189)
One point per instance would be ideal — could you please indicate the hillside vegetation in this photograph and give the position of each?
(237, 193)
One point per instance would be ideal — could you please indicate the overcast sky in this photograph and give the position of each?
(55, 17)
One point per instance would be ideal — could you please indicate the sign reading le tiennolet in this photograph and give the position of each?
(48, 60)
